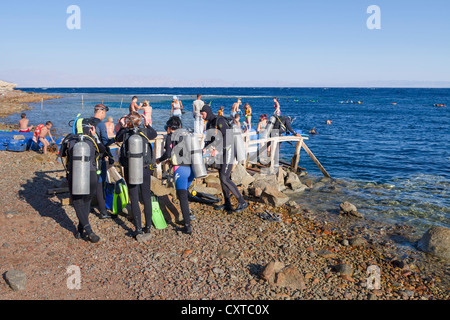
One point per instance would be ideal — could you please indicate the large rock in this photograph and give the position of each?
(6, 86)
(290, 277)
(16, 279)
(346, 208)
(270, 271)
(276, 273)
(263, 181)
(238, 174)
(274, 197)
(436, 241)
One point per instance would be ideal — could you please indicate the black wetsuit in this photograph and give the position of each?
(228, 186)
(82, 203)
(144, 188)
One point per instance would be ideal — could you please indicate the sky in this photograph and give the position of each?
(225, 43)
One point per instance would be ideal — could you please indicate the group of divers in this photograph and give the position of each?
(85, 153)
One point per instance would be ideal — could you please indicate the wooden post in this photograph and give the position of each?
(324, 172)
(296, 157)
(158, 151)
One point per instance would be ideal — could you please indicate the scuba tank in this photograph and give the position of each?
(197, 163)
(239, 144)
(80, 168)
(135, 159)
(268, 130)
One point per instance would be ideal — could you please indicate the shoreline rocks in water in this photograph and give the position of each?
(436, 241)
(15, 101)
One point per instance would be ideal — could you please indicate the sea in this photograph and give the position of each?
(386, 149)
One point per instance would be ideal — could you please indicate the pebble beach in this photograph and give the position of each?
(306, 255)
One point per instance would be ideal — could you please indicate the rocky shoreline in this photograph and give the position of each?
(302, 255)
(15, 101)
(274, 250)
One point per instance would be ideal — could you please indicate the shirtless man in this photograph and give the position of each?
(133, 105)
(44, 132)
(235, 108)
(23, 124)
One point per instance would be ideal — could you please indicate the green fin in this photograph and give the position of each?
(157, 215)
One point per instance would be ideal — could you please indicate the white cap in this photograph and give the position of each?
(175, 98)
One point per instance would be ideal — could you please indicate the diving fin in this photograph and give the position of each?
(120, 199)
(157, 216)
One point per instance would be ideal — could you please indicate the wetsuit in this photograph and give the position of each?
(183, 175)
(228, 186)
(144, 188)
(82, 203)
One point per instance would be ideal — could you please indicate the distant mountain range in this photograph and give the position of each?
(38, 78)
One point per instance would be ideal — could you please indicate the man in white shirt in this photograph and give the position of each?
(196, 107)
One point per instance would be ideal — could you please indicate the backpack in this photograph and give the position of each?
(148, 155)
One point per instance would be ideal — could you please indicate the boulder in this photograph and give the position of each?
(436, 241)
(346, 208)
(281, 174)
(292, 181)
(290, 277)
(271, 269)
(274, 197)
(238, 174)
(16, 279)
(263, 180)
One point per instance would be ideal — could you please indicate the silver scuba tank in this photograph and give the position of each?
(239, 145)
(135, 159)
(268, 130)
(197, 163)
(81, 168)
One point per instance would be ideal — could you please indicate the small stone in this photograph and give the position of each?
(16, 279)
(344, 269)
(357, 242)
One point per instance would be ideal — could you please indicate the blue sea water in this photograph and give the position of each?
(389, 154)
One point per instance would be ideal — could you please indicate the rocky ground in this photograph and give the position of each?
(306, 255)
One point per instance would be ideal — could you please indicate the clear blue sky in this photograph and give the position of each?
(323, 42)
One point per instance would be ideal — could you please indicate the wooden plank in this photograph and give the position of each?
(324, 172)
(158, 153)
(296, 157)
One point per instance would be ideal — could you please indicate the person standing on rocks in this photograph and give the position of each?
(102, 133)
(82, 203)
(220, 125)
(183, 173)
(133, 121)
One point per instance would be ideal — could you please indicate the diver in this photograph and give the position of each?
(82, 152)
(136, 156)
(182, 170)
(220, 123)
